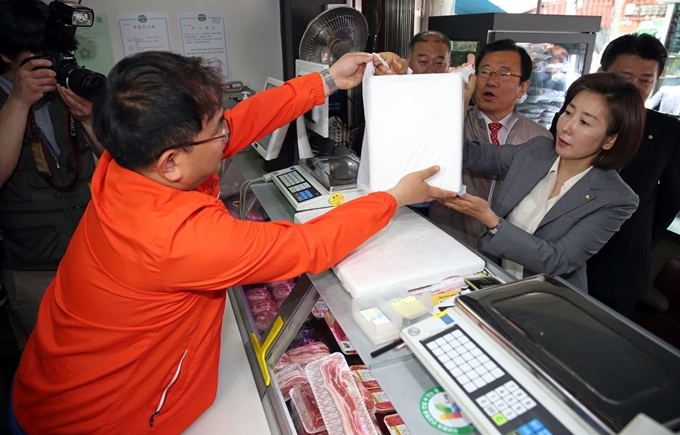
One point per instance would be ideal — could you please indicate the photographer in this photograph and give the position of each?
(46, 160)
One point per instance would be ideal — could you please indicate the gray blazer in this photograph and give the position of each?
(574, 229)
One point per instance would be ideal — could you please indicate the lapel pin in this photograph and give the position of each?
(589, 197)
(650, 137)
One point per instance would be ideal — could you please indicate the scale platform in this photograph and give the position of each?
(319, 182)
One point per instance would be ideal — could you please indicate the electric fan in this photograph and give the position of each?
(333, 33)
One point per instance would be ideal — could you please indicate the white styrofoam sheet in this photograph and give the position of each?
(412, 122)
(410, 252)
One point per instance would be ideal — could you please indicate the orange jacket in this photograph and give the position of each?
(128, 334)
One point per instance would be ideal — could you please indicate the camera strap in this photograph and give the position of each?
(40, 147)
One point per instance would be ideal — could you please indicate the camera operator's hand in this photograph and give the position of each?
(80, 108)
(32, 82)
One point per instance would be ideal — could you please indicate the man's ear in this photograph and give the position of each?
(600, 69)
(167, 166)
(523, 88)
(5, 58)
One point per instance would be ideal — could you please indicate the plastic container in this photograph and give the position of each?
(303, 403)
(376, 318)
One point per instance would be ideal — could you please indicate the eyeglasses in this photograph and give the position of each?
(226, 134)
(503, 76)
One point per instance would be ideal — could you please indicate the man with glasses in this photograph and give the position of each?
(503, 71)
(128, 335)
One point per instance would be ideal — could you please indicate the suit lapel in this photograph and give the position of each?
(584, 191)
(531, 171)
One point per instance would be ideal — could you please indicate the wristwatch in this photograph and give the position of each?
(328, 78)
(494, 229)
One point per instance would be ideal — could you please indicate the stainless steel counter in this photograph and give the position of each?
(399, 373)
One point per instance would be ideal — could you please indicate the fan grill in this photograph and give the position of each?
(333, 33)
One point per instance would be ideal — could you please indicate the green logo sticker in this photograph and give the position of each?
(442, 414)
(202, 17)
(142, 19)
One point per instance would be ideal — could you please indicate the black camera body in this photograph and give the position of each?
(63, 20)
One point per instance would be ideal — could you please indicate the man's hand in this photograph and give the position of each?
(32, 82)
(349, 70)
(397, 65)
(469, 87)
(80, 108)
(412, 188)
(472, 206)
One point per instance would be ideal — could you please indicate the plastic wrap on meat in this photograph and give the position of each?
(365, 394)
(258, 307)
(304, 402)
(264, 319)
(280, 294)
(290, 377)
(282, 363)
(303, 355)
(258, 294)
(285, 284)
(365, 376)
(347, 405)
(383, 405)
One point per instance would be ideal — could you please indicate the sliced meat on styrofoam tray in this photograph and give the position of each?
(340, 402)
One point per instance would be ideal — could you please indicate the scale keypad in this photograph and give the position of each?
(509, 406)
(298, 186)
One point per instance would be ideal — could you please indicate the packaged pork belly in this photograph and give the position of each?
(340, 402)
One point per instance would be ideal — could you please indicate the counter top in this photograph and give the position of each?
(399, 373)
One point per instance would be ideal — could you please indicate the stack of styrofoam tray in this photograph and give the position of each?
(410, 252)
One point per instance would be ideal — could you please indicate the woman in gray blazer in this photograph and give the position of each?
(561, 200)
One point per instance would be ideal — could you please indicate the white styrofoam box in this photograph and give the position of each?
(410, 252)
(412, 122)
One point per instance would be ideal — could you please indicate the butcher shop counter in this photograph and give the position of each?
(398, 372)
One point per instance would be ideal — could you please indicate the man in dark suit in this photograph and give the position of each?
(618, 274)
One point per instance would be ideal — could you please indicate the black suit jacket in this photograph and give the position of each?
(621, 269)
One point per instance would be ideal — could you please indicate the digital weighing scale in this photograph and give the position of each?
(319, 182)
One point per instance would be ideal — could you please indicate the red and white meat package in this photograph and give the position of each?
(304, 407)
(340, 402)
(304, 355)
(290, 377)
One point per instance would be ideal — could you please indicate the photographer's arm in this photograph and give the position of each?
(81, 109)
(30, 85)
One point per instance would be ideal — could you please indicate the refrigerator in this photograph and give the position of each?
(560, 46)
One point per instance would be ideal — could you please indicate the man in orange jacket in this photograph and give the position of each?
(128, 334)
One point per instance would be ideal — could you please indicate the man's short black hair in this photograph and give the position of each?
(22, 28)
(422, 37)
(153, 101)
(643, 45)
(507, 45)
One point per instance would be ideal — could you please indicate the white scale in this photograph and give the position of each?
(535, 357)
(305, 192)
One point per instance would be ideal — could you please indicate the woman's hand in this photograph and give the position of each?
(474, 207)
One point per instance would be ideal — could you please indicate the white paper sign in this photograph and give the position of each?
(143, 32)
(204, 34)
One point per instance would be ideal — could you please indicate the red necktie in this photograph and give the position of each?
(494, 128)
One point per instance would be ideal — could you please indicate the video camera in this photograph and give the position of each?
(63, 20)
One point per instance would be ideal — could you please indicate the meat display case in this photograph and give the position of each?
(399, 373)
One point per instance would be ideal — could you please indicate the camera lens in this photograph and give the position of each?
(84, 82)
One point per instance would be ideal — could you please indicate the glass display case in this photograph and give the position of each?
(560, 47)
